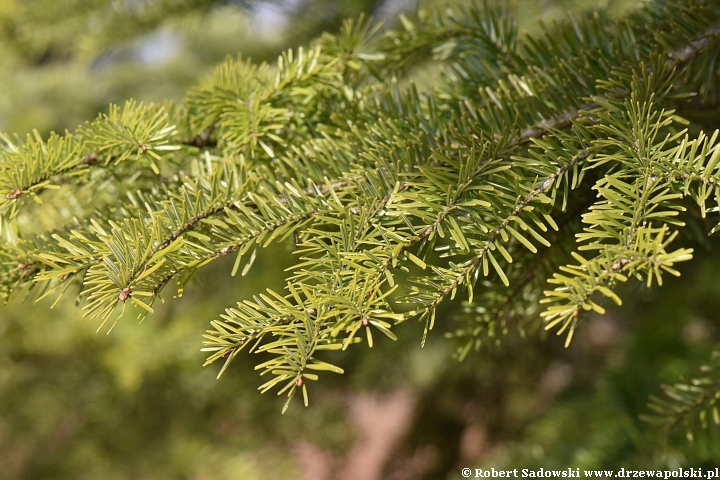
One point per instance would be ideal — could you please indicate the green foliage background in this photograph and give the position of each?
(138, 404)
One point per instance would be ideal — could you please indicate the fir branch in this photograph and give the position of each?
(487, 30)
(495, 234)
(686, 403)
(28, 167)
(619, 226)
(372, 179)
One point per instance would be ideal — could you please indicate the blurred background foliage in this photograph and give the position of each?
(138, 405)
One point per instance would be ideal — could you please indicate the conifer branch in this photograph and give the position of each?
(681, 57)
(694, 401)
(30, 166)
(372, 180)
(462, 274)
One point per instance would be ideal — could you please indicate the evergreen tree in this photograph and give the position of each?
(572, 158)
